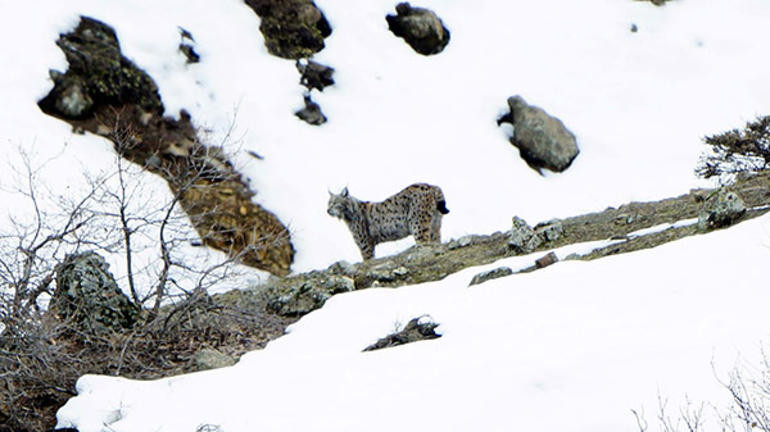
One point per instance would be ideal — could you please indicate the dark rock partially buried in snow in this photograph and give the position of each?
(311, 114)
(416, 329)
(315, 75)
(543, 140)
(421, 28)
(88, 298)
(722, 208)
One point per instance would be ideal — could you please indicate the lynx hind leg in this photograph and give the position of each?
(435, 228)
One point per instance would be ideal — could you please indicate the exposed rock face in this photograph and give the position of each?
(491, 274)
(421, 28)
(293, 29)
(721, 209)
(416, 329)
(543, 140)
(88, 297)
(104, 93)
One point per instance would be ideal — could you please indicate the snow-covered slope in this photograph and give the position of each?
(638, 102)
(573, 347)
(576, 346)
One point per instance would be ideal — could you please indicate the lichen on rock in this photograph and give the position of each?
(292, 29)
(421, 28)
(542, 139)
(88, 298)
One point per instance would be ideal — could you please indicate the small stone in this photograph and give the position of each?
(209, 358)
(546, 260)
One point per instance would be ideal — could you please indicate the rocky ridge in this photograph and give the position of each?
(297, 295)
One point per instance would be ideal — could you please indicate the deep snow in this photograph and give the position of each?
(575, 346)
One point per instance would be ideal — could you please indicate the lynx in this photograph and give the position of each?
(416, 210)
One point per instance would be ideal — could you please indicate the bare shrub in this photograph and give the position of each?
(749, 410)
(737, 151)
(151, 245)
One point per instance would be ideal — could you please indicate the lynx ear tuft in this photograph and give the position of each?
(344, 192)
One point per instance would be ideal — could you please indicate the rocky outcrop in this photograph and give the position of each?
(721, 208)
(543, 140)
(415, 330)
(421, 28)
(293, 29)
(88, 298)
(525, 239)
(104, 93)
(296, 295)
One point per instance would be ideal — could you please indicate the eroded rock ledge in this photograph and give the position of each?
(299, 294)
(106, 94)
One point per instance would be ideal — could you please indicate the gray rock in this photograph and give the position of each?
(522, 236)
(491, 274)
(551, 230)
(721, 209)
(88, 297)
(293, 299)
(543, 140)
(421, 28)
(209, 358)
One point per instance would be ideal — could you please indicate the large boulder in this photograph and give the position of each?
(98, 75)
(543, 140)
(88, 298)
(292, 29)
(421, 28)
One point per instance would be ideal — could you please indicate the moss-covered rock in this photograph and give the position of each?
(104, 93)
(292, 29)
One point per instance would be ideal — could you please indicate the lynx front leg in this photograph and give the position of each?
(367, 249)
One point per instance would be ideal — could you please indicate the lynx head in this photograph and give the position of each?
(339, 205)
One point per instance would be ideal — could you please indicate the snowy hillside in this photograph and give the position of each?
(574, 347)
